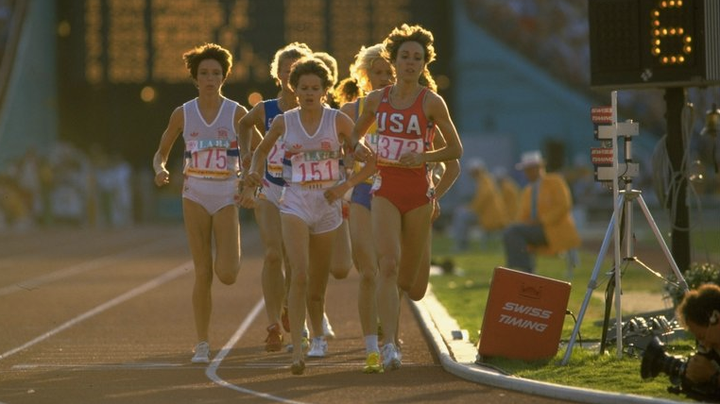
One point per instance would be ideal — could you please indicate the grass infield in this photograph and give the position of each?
(464, 293)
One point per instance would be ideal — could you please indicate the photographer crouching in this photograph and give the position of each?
(700, 312)
(698, 376)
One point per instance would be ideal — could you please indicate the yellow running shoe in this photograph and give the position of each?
(373, 363)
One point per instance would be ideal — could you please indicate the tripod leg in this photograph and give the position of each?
(608, 306)
(592, 285)
(661, 241)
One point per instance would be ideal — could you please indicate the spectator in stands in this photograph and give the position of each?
(545, 223)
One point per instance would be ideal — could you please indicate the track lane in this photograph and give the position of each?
(138, 350)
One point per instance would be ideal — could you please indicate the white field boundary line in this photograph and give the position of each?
(211, 371)
(152, 284)
(34, 283)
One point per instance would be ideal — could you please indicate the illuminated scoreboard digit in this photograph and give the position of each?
(672, 33)
(654, 43)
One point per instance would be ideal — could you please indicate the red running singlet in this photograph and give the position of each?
(401, 131)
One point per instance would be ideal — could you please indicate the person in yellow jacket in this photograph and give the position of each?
(545, 223)
(510, 192)
(487, 203)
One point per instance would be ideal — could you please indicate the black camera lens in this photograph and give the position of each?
(655, 361)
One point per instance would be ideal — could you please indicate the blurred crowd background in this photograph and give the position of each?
(75, 180)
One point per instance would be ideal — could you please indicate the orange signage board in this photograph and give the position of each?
(524, 315)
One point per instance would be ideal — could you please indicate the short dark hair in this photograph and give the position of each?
(194, 56)
(310, 65)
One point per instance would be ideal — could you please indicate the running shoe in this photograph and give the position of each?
(274, 340)
(202, 353)
(298, 368)
(392, 359)
(305, 341)
(327, 328)
(373, 363)
(318, 348)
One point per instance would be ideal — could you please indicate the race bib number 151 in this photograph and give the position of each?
(305, 170)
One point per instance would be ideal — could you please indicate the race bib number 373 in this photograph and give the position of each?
(389, 149)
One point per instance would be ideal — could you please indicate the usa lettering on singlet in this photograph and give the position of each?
(401, 131)
(312, 159)
(211, 149)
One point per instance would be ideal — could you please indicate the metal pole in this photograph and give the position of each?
(676, 203)
(617, 209)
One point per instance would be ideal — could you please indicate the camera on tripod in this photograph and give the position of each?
(655, 360)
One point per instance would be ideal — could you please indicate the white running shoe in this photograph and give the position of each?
(202, 353)
(318, 348)
(391, 357)
(327, 328)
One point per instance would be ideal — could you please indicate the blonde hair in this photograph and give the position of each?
(295, 51)
(363, 64)
(330, 62)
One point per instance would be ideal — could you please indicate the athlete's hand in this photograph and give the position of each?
(246, 197)
(412, 159)
(337, 192)
(162, 178)
(253, 179)
(436, 210)
(362, 152)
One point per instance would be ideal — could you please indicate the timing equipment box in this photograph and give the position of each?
(524, 316)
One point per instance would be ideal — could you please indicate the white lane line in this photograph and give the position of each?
(166, 277)
(100, 366)
(36, 282)
(211, 371)
(182, 366)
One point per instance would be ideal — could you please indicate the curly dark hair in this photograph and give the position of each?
(698, 304)
(194, 56)
(412, 33)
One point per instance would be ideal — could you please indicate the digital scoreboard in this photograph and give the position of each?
(131, 41)
(121, 69)
(654, 43)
